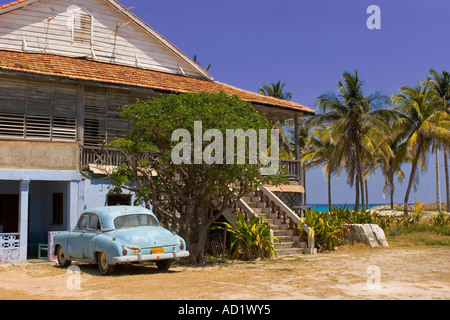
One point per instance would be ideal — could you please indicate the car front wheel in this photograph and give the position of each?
(62, 260)
(103, 264)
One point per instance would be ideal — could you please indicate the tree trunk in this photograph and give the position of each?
(357, 192)
(411, 179)
(329, 189)
(447, 182)
(438, 181)
(304, 183)
(198, 250)
(359, 174)
(367, 193)
(391, 189)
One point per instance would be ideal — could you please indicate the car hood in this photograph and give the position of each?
(145, 237)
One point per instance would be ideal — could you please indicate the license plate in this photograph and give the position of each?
(157, 250)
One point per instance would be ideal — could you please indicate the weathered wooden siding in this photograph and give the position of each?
(47, 27)
(35, 109)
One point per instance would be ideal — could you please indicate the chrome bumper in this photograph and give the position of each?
(150, 257)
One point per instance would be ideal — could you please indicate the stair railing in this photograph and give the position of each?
(288, 216)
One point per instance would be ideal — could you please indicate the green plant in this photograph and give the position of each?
(440, 221)
(252, 235)
(414, 217)
(328, 228)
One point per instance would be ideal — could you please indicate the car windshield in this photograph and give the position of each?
(135, 220)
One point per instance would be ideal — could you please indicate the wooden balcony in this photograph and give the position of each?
(112, 157)
(99, 156)
(292, 168)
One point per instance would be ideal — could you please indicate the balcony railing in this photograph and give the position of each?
(112, 157)
(100, 156)
(291, 168)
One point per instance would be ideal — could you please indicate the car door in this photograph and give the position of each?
(93, 230)
(76, 243)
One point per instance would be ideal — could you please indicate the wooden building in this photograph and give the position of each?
(65, 68)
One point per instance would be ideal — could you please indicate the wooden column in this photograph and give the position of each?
(297, 155)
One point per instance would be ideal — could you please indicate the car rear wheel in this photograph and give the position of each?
(103, 264)
(61, 257)
(164, 265)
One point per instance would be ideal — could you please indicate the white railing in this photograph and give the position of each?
(9, 240)
(288, 216)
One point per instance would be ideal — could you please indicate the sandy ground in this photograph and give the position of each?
(351, 272)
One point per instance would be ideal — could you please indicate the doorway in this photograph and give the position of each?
(9, 213)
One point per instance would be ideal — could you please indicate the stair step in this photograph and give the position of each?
(284, 238)
(288, 251)
(282, 245)
(286, 246)
(278, 233)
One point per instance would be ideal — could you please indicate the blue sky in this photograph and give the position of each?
(308, 44)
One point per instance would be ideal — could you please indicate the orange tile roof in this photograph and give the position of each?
(83, 69)
(286, 188)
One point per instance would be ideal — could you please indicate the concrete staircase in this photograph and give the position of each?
(289, 243)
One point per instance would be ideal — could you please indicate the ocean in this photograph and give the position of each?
(324, 207)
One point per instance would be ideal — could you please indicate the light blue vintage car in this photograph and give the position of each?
(120, 234)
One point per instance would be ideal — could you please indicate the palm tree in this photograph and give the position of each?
(320, 150)
(194, 58)
(391, 154)
(303, 135)
(421, 123)
(441, 85)
(350, 115)
(275, 89)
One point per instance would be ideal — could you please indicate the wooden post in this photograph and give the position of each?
(298, 166)
(224, 241)
(296, 139)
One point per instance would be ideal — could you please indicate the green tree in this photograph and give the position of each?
(391, 154)
(276, 90)
(304, 131)
(421, 122)
(349, 115)
(187, 197)
(321, 150)
(194, 58)
(441, 85)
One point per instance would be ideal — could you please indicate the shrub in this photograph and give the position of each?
(329, 226)
(252, 235)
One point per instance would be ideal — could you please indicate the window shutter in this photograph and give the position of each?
(94, 116)
(64, 112)
(82, 26)
(38, 115)
(12, 108)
